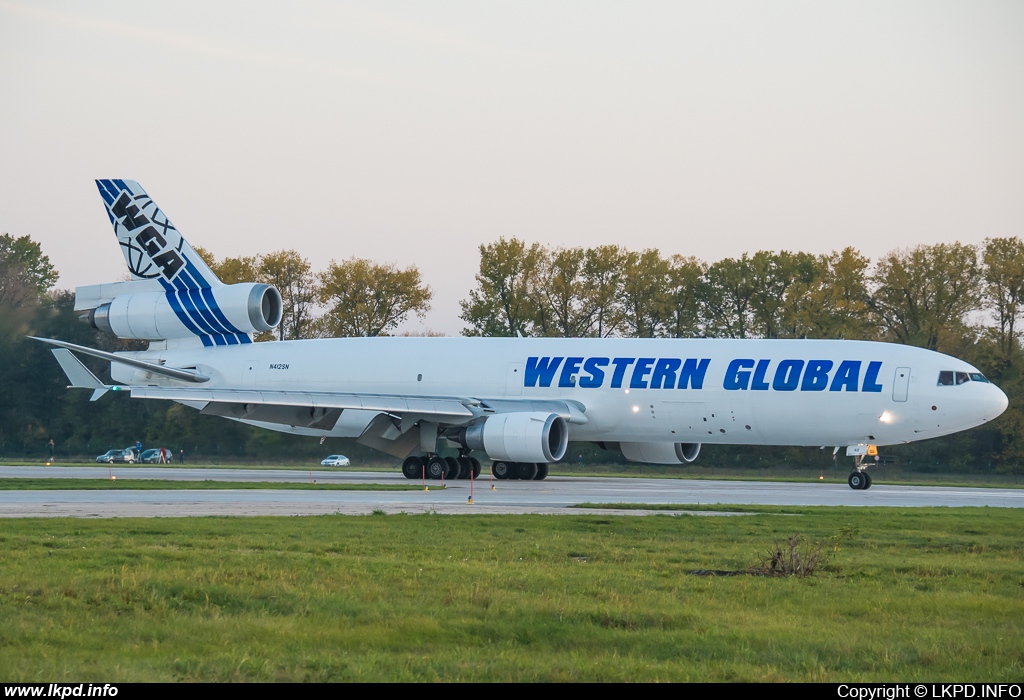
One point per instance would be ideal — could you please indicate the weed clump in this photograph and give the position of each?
(798, 558)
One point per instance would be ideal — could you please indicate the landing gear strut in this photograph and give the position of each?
(859, 478)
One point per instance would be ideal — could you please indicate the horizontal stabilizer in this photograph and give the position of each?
(78, 374)
(185, 375)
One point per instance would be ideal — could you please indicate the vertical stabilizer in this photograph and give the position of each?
(157, 255)
(152, 247)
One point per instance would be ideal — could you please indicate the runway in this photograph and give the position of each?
(554, 496)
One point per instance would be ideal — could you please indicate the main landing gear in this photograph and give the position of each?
(859, 478)
(437, 467)
(525, 471)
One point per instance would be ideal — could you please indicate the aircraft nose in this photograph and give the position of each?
(996, 403)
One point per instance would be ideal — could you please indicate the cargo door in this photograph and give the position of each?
(901, 384)
(514, 379)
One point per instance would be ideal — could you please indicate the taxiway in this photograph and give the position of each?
(555, 495)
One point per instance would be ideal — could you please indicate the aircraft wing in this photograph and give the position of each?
(443, 407)
(391, 430)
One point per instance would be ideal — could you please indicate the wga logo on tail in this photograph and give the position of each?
(152, 246)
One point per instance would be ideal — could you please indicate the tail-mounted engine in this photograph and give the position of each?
(225, 314)
(518, 437)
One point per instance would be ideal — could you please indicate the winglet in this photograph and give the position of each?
(78, 374)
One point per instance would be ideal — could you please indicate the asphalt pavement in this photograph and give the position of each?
(555, 495)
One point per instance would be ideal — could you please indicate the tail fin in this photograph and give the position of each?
(152, 247)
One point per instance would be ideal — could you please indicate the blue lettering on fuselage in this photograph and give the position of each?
(810, 375)
(741, 374)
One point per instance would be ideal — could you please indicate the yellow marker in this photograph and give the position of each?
(470, 499)
(492, 488)
(426, 488)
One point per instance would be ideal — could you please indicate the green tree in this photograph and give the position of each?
(772, 274)
(24, 258)
(682, 296)
(644, 301)
(364, 298)
(1003, 273)
(726, 298)
(833, 303)
(564, 299)
(603, 268)
(925, 292)
(504, 302)
(291, 274)
(25, 276)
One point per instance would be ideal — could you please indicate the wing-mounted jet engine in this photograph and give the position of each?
(656, 452)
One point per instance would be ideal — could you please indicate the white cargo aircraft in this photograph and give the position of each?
(519, 401)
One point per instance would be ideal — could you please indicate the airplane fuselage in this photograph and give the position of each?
(713, 391)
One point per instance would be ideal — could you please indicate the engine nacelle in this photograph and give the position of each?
(519, 437)
(226, 309)
(660, 452)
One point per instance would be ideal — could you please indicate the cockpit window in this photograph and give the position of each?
(950, 378)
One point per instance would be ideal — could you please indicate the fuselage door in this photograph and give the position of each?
(901, 384)
(514, 379)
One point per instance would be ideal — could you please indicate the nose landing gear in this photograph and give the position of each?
(859, 478)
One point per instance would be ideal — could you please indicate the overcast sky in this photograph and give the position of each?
(412, 132)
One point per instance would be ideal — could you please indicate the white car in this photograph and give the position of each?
(335, 461)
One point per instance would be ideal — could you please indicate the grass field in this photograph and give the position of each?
(914, 594)
(174, 485)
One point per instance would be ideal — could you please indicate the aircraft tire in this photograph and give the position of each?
(542, 472)
(501, 470)
(527, 471)
(465, 467)
(856, 480)
(436, 468)
(476, 467)
(454, 468)
(412, 467)
(867, 481)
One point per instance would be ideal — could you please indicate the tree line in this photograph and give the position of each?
(960, 299)
(932, 296)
